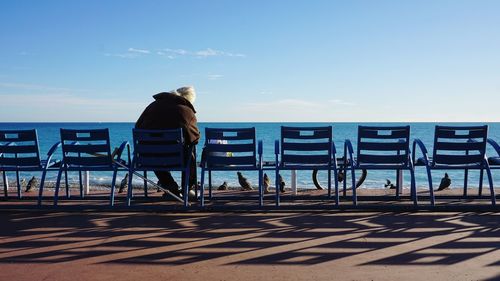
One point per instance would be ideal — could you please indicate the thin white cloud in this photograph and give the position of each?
(25, 86)
(70, 107)
(123, 56)
(180, 52)
(174, 53)
(140, 51)
(340, 102)
(284, 104)
(208, 53)
(214, 76)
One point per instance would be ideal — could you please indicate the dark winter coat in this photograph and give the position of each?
(170, 111)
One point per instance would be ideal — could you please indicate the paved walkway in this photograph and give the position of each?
(249, 246)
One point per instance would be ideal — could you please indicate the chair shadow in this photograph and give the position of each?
(248, 238)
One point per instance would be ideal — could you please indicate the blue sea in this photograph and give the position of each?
(48, 134)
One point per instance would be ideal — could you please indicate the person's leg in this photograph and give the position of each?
(167, 181)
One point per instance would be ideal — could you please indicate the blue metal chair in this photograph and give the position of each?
(456, 148)
(230, 149)
(380, 148)
(89, 150)
(160, 150)
(306, 148)
(19, 152)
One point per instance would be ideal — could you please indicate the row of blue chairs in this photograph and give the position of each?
(299, 148)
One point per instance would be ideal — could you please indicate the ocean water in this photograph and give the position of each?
(48, 134)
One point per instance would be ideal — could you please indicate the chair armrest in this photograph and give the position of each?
(334, 154)
(423, 149)
(53, 149)
(7, 144)
(348, 150)
(120, 150)
(495, 145)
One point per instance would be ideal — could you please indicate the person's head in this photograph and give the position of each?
(187, 93)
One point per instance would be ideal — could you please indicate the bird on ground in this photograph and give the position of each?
(282, 184)
(340, 176)
(245, 184)
(123, 183)
(31, 183)
(223, 186)
(445, 182)
(389, 184)
(267, 183)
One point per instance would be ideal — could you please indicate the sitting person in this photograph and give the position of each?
(172, 110)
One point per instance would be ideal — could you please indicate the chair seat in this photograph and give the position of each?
(494, 161)
(305, 167)
(231, 167)
(375, 166)
(421, 162)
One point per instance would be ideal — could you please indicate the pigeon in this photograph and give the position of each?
(445, 182)
(223, 186)
(245, 185)
(267, 183)
(123, 183)
(282, 184)
(31, 183)
(389, 185)
(340, 176)
(23, 182)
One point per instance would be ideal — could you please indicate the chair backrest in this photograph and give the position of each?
(86, 147)
(383, 145)
(158, 149)
(459, 145)
(230, 147)
(19, 148)
(306, 146)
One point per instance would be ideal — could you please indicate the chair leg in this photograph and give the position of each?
(261, 195)
(398, 187)
(466, 180)
(5, 184)
(113, 187)
(129, 188)
(413, 188)
(431, 190)
(481, 176)
(492, 189)
(58, 183)
(336, 182)
(345, 181)
(80, 181)
(209, 184)
(66, 182)
(186, 188)
(329, 183)
(19, 195)
(40, 189)
(277, 185)
(202, 188)
(145, 184)
(354, 193)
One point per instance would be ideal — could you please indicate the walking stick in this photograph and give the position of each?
(115, 151)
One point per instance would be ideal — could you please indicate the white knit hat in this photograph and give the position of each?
(186, 92)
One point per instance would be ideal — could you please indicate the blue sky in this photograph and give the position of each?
(252, 60)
